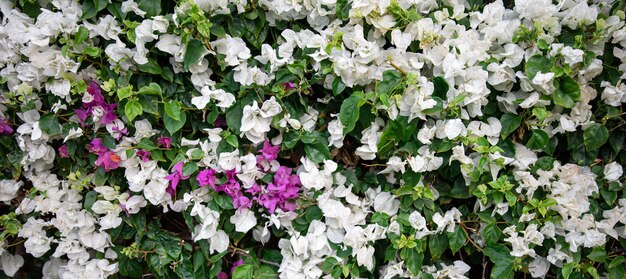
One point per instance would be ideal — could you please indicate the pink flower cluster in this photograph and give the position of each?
(5, 129)
(95, 106)
(106, 158)
(280, 193)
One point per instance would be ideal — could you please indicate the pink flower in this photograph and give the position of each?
(175, 178)
(5, 129)
(63, 151)
(108, 160)
(143, 154)
(165, 142)
(97, 147)
(222, 275)
(268, 152)
(289, 85)
(206, 177)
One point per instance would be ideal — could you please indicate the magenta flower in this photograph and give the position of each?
(143, 154)
(5, 129)
(222, 275)
(289, 85)
(206, 177)
(268, 152)
(63, 151)
(175, 178)
(108, 160)
(94, 101)
(165, 142)
(97, 147)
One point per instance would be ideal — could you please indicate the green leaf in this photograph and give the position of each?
(595, 136)
(349, 112)
(89, 10)
(124, 92)
(151, 7)
(391, 79)
(500, 255)
(49, 124)
(437, 244)
(568, 269)
(133, 109)
(510, 122)
(81, 35)
(441, 87)
(317, 152)
(151, 89)
(172, 109)
(193, 54)
(414, 261)
(265, 272)
(597, 254)
(492, 233)
(535, 64)
(189, 168)
(342, 10)
(131, 268)
(567, 92)
(338, 86)
(173, 125)
(538, 140)
(100, 4)
(93, 51)
(233, 141)
(456, 239)
(243, 271)
(90, 199)
(152, 67)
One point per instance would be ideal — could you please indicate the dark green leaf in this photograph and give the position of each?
(538, 140)
(49, 124)
(317, 152)
(194, 52)
(595, 136)
(391, 79)
(441, 88)
(437, 245)
(535, 64)
(510, 122)
(456, 239)
(152, 67)
(173, 125)
(567, 92)
(349, 112)
(414, 261)
(151, 7)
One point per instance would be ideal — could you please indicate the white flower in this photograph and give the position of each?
(219, 242)
(538, 267)
(454, 128)
(8, 190)
(224, 98)
(234, 49)
(365, 257)
(613, 171)
(312, 178)
(11, 263)
(386, 203)
(244, 220)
